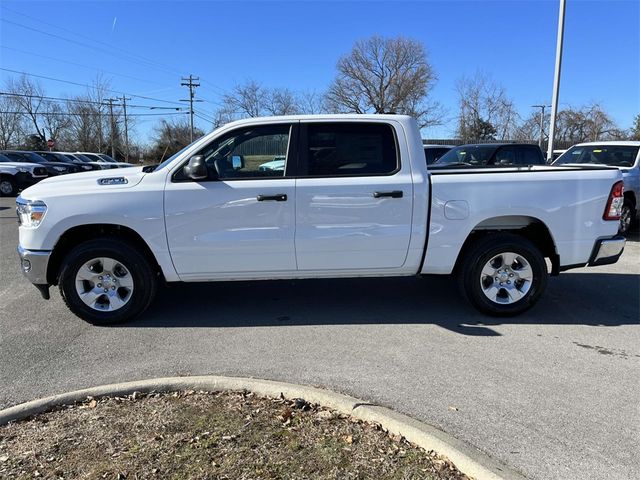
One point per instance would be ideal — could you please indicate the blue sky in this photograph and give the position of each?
(297, 44)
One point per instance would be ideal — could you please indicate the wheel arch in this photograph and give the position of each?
(631, 197)
(531, 228)
(75, 235)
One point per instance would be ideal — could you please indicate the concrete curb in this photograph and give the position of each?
(468, 459)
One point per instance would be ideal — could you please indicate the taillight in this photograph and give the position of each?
(614, 204)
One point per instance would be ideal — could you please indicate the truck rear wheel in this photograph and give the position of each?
(106, 281)
(627, 217)
(503, 275)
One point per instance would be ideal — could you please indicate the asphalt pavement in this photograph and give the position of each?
(553, 393)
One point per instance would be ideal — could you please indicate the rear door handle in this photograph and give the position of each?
(394, 194)
(280, 197)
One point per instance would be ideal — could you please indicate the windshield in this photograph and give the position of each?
(75, 159)
(106, 158)
(467, 155)
(93, 157)
(431, 154)
(34, 157)
(613, 155)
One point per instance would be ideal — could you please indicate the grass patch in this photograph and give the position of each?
(189, 435)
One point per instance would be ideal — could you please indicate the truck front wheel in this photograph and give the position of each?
(8, 187)
(106, 281)
(503, 275)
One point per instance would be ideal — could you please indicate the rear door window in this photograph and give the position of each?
(348, 149)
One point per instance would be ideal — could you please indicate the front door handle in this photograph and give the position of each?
(280, 197)
(394, 194)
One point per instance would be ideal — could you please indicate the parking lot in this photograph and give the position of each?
(553, 393)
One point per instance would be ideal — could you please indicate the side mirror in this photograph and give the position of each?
(196, 169)
(237, 162)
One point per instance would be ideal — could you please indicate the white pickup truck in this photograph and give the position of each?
(353, 198)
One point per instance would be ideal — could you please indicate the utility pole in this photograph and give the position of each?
(541, 107)
(556, 79)
(126, 128)
(192, 83)
(113, 127)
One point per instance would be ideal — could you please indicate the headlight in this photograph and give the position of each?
(60, 169)
(30, 213)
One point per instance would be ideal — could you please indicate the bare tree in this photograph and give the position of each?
(28, 97)
(311, 102)
(485, 110)
(246, 99)
(171, 137)
(385, 75)
(11, 122)
(251, 99)
(588, 123)
(281, 101)
(635, 129)
(529, 129)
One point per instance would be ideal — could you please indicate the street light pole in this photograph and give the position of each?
(542, 108)
(556, 79)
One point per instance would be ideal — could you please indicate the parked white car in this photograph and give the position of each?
(355, 199)
(15, 176)
(625, 155)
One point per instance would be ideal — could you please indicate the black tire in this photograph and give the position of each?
(8, 186)
(143, 275)
(627, 218)
(471, 278)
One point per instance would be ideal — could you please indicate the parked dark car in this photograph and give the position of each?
(61, 158)
(16, 176)
(102, 157)
(82, 160)
(53, 168)
(434, 152)
(491, 155)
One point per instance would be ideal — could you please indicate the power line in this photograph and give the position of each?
(78, 64)
(113, 47)
(90, 102)
(87, 86)
(72, 114)
(75, 42)
(209, 120)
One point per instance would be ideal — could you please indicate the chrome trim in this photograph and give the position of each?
(39, 260)
(607, 251)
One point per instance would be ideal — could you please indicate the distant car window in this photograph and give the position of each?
(251, 152)
(474, 155)
(432, 154)
(340, 149)
(505, 156)
(16, 157)
(613, 155)
(530, 156)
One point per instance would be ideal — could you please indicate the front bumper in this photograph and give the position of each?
(607, 251)
(26, 180)
(33, 264)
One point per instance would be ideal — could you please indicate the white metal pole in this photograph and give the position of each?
(556, 80)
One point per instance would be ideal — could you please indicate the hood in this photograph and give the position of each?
(85, 182)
